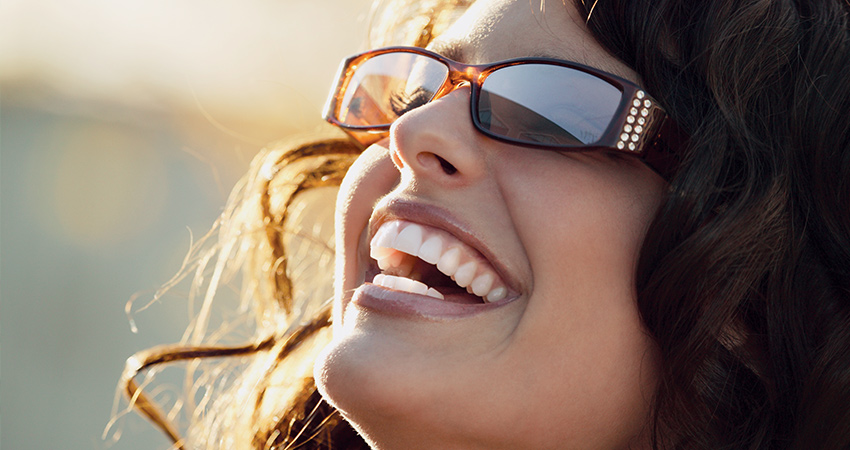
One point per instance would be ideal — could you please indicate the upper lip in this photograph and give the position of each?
(437, 217)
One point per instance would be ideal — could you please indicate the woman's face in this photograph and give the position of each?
(559, 358)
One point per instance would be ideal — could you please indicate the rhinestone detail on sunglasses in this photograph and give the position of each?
(636, 122)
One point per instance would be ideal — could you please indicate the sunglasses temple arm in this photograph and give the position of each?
(664, 152)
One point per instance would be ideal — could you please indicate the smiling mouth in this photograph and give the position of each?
(427, 261)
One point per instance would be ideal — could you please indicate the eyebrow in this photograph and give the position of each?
(544, 54)
(450, 49)
(454, 50)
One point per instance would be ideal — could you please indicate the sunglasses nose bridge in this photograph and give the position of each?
(461, 72)
(460, 75)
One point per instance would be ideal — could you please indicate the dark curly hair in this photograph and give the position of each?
(744, 277)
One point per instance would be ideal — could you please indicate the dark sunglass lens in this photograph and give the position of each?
(549, 104)
(386, 86)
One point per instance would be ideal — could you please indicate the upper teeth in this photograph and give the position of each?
(395, 238)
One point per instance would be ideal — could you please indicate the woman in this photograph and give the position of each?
(517, 266)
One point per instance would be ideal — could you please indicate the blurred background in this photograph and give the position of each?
(123, 126)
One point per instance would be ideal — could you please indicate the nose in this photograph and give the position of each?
(438, 142)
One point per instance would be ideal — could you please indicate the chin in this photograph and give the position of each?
(398, 400)
(394, 397)
(370, 394)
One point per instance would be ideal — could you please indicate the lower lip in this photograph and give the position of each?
(414, 306)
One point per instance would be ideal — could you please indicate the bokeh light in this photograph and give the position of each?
(123, 123)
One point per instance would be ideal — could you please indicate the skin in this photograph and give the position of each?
(565, 364)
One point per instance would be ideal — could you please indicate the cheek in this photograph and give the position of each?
(582, 225)
(372, 176)
(583, 216)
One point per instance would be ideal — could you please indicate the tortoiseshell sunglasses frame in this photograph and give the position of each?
(640, 127)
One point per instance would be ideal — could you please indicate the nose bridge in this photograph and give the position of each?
(435, 142)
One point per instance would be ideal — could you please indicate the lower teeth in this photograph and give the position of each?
(406, 285)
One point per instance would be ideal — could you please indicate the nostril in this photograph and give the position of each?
(428, 161)
(448, 168)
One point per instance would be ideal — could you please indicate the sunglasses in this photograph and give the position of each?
(542, 103)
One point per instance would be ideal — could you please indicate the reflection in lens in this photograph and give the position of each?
(386, 86)
(542, 103)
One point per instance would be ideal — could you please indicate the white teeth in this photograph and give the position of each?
(406, 266)
(481, 285)
(405, 285)
(395, 240)
(435, 293)
(386, 281)
(465, 273)
(449, 261)
(408, 285)
(395, 259)
(431, 250)
(381, 244)
(409, 240)
(496, 294)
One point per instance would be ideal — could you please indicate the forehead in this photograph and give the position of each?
(495, 30)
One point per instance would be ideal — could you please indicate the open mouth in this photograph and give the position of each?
(427, 261)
